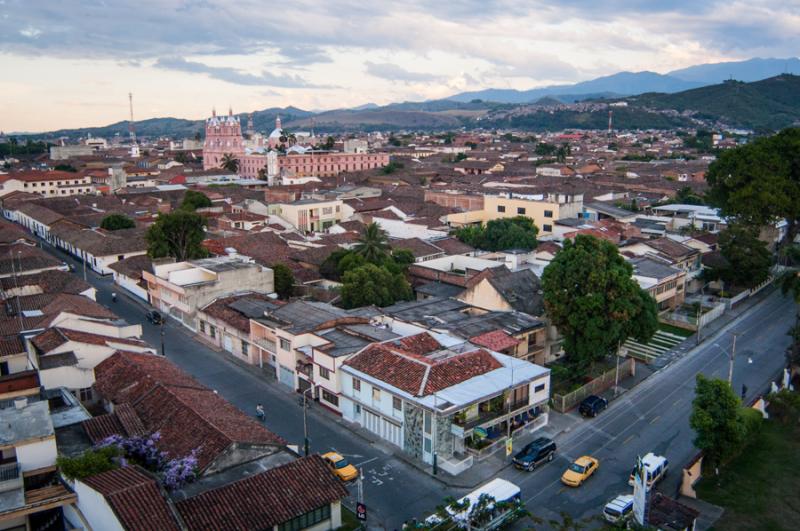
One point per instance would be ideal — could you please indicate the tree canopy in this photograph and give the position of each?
(593, 301)
(759, 183)
(720, 423)
(373, 244)
(230, 163)
(371, 284)
(748, 258)
(178, 234)
(194, 200)
(501, 234)
(284, 281)
(117, 222)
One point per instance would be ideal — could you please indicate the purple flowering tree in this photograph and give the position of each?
(144, 451)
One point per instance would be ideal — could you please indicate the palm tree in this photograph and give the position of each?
(230, 163)
(373, 244)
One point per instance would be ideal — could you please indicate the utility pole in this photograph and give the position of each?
(616, 369)
(697, 334)
(163, 352)
(305, 421)
(732, 357)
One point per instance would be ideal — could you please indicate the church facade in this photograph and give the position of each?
(224, 137)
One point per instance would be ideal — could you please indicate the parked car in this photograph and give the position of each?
(592, 405)
(154, 317)
(579, 471)
(535, 453)
(341, 466)
(619, 509)
(656, 466)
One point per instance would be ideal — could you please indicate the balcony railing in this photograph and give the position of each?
(488, 416)
(266, 344)
(9, 472)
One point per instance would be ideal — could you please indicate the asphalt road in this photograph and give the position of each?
(651, 417)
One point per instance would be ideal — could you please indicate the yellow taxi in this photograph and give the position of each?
(579, 471)
(340, 466)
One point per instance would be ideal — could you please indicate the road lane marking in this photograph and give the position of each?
(677, 402)
(362, 463)
(629, 439)
(655, 419)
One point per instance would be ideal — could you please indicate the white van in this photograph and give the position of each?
(656, 467)
(619, 509)
(501, 491)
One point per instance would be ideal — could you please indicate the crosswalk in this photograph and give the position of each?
(661, 343)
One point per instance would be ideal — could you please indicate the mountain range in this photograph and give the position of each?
(767, 104)
(630, 83)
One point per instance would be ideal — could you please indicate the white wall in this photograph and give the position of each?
(95, 508)
(131, 286)
(37, 454)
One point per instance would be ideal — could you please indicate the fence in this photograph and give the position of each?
(563, 403)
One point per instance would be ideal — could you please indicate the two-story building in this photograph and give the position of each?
(443, 401)
(179, 289)
(46, 183)
(665, 283)
(310, 214)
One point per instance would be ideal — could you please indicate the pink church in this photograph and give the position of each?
(224, 136)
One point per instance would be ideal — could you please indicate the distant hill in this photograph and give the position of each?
(620, 84)
(750, 70)
(769, 104)
(176, 127)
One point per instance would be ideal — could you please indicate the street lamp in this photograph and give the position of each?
(731, 357)
(163, 352)
(305, 420)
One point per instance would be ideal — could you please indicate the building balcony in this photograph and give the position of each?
(492, 416)
(10, 477)
(266, 344)
(306, 369)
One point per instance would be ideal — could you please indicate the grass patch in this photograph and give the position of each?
(675, 330)
(759, 488)
(349, 520)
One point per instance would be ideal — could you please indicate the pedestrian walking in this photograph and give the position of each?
(260, 412)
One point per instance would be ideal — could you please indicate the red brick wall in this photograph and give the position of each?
(462, 201)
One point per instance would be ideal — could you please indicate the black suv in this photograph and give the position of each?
(592, 405)
(535, 453)
(154, 317)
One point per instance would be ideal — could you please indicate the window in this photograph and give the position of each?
(356, 384)
(501, 208)
(307, 520)
(285, 344)
(427, 422)
(245, 348)
(85, 394)
(330, 398)
(547, 228)
(397, 403)
(212, 331)
(539, 388)
(548, 213)
(202, 327)
(324, 373)
(4, 369)
(521, 211)
(376, 394)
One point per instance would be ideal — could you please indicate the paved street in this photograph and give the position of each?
(651, 417)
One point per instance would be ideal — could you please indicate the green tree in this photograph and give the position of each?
(178, 234)
(65, 167)
(372, 284)
(117, 222)
(687, 196)
(330, 266)
(759, 183)
(284, 281)
(181, 157)
(194, 200)
(403, 257)
(392, 167)
(329, 143)
(748, 257)
(719, 427)
(89, 463)
(593, 301)
(501, 234)
(230, 163)
(373, 244)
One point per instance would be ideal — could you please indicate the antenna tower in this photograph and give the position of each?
(131, 127)
(610, 118)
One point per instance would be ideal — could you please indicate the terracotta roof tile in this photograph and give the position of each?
(135, 498)
(497, 340)
(266, 499)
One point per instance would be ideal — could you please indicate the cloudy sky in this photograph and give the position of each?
(71, 63)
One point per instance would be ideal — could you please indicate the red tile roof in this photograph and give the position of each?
(417, 374)
(419, 344)
(135, 498)
(266, 499)
(497, 340)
